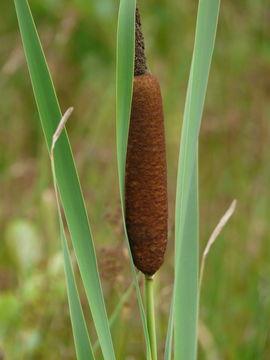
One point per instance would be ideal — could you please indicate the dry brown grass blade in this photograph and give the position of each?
(61, 126)
(223, 221)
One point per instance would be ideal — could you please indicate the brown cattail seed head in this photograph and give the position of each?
(146, 178)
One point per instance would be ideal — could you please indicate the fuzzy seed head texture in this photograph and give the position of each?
(146, 177)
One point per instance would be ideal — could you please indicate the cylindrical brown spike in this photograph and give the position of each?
(146, 177)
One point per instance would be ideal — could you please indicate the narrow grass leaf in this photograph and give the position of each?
(169, 338)
(124, 82)
(118, 309)
(223, 221)
(80, 333)
(185, 295)
(124, 85)
(187, 289)
(66, 175)
(189, 266)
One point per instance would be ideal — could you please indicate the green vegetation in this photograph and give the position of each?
(79, 42)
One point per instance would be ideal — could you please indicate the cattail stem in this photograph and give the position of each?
(150, 315)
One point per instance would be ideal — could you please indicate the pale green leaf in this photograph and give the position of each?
(124, 85)
(80, 333)
(66, 175)
(184, 312)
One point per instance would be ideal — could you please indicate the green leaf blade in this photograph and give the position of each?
(184, 312)
(80, 333)
(124, 86)
(66, 175)
(186, 290)
(124, 82)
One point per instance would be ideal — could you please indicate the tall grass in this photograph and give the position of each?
(184, 307)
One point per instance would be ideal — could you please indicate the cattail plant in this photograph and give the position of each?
(142, 179)
(146, 204)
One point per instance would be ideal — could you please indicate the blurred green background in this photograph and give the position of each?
(79, 41)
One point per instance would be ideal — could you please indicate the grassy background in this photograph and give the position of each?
(79, 41)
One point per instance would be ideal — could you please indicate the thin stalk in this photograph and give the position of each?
(222, 222)
(150, 315)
